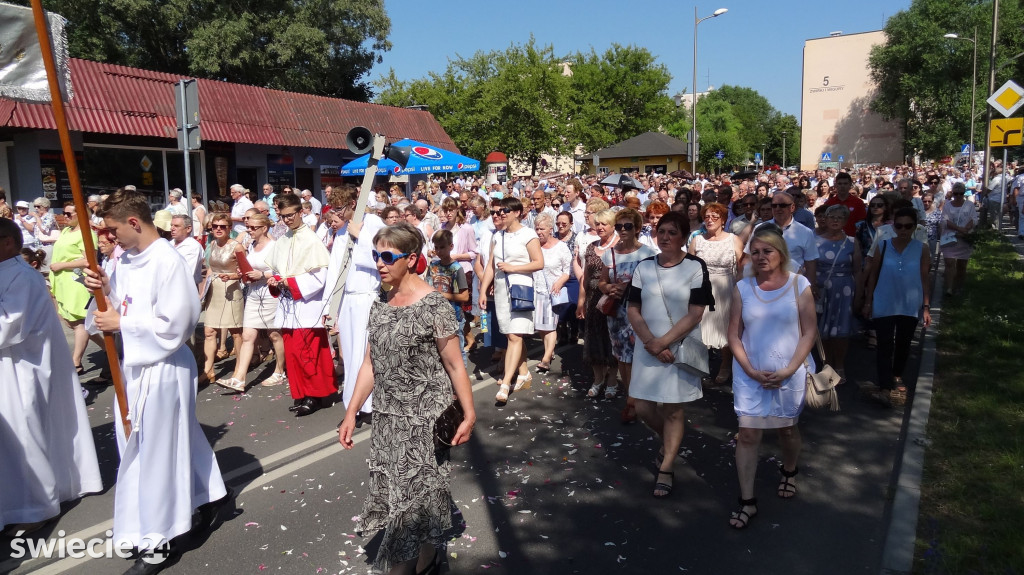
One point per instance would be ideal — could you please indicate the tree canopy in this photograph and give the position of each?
(924, 80)
(519, 101)
(323, 47)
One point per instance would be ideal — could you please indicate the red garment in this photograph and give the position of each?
(858, 211)
(308, 362)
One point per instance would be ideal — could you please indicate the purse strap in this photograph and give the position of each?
(836, 260)
(817, 338)
(504, 257)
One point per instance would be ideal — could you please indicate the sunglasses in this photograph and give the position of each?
(556, 204)
(781, 206)
(219, 226)
(251, 228)
(903, 226)
(627, 226)
(69, 214)
(501, 211)
(388, 257)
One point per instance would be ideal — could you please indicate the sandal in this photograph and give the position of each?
(275, 379)
(742, 516)
(502, 395)
(898, 396)
(523, 382)
(786, 488)
(663, 487)
(232, 383)
(595, 390)
(207, 378)
(611, 391)
(222, 354)
(544, 367)
(723, 378)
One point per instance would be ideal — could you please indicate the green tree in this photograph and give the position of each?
(924, 80)
(774, 138)
(513, 100)
(323, 47)
(616, 95)
(753, 110)
(719, 128)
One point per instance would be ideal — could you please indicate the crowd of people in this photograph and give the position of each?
(651, 279)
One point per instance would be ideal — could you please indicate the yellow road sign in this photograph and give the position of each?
(1006, 132)
(1007, 98)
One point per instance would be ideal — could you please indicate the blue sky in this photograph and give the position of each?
(758, 43)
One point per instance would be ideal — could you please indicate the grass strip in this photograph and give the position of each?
(972, 493)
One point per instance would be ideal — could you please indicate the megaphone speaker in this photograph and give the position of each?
(359, 140)
(398, 154)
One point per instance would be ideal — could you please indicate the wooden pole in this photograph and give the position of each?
(81, 209)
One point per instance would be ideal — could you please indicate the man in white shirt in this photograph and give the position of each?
(803, 248)
(187, 246)
(575, 205)
(161, 479)
(307, 196)
(242, 204)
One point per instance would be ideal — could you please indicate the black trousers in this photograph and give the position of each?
(895, 333)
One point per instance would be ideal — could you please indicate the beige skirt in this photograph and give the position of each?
(224, 305)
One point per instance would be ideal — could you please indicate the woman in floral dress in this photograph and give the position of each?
(413, 366)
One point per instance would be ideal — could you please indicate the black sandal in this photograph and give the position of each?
(786, 488)
(742, 516)
(659, 486)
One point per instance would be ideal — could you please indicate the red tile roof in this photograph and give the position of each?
(112, 99)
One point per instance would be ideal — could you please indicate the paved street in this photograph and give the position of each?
(550, 483)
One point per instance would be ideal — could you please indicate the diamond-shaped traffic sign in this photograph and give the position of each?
(145, 163)
(1007, 99)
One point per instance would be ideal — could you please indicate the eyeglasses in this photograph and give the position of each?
(627, 226)
(69, 214)
(219, 226)
(712, 217)
(388, 257)
(251, 228)
(288, 215)
(898, 226)
(781, 206)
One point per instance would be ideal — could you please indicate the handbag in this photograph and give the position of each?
(520, 297)
(820, 392)
(447, 424)
(690, 352)
(607, 304)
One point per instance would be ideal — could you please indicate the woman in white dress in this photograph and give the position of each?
(667, 300)
(722, 252)
(515, 255)
(550, 296)
(771, 332)
(260, 308)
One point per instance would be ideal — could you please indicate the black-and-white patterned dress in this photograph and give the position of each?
(409, 485)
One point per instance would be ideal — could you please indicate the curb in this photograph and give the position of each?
(898, 550)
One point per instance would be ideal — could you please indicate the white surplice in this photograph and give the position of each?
(46, 447)
(168, 468)
(360, 289)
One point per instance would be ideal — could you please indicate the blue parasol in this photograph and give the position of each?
(423, 159)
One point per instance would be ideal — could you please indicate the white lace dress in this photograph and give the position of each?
(720, 257)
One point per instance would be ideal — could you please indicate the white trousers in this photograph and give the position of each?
(353, 316)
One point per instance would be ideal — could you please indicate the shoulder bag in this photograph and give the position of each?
(607, 304)
(821, 386)
(520, 297)
(691, 353)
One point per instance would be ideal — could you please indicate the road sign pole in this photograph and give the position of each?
(1002, 199)
(188, 169)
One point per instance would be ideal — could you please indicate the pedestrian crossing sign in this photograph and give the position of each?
(826, 156)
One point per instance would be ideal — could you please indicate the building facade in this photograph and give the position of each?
(124, 132)
(837, 126)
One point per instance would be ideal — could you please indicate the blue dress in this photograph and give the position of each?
(836, 290)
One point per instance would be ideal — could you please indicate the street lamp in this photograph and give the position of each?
(784, 150)
(974, 89)
(764, 148)
(693, 143)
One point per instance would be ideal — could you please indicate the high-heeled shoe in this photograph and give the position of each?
(222, 354)
(207, 378)
(502, 395)
(523, 382)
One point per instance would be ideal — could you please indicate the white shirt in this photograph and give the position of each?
(801, 243)
(241, 205)
(192, 252)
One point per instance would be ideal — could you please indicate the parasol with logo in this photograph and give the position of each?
(423, 159)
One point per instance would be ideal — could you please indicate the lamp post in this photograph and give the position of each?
(974, 89)
(693, 144)
(764, 148)
(784, 150)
